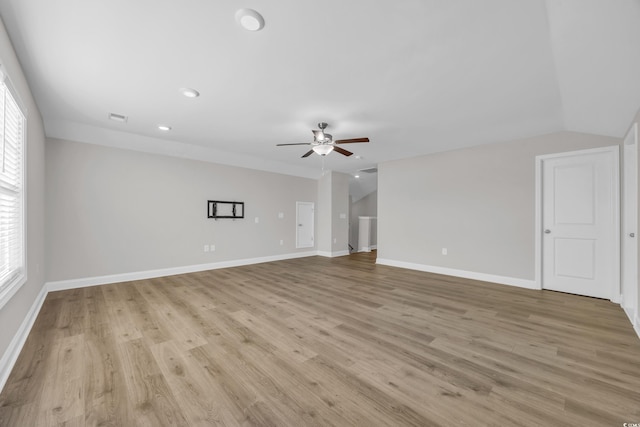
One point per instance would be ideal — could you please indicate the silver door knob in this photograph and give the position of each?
(547, 231)
(632, 234)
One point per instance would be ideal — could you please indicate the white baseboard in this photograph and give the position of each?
(633, 318)
(630, 314)
(62, 285)
(503, 280)
(12, 352)
(333, 254)
(10, 356)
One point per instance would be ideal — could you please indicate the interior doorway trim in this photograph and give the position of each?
(306, 223)
(614, 292)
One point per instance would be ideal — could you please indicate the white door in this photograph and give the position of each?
(304, 225)
(580, 225)
(630, 223)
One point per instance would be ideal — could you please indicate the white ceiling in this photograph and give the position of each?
(415, 76)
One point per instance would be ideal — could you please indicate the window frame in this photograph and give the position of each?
(15, 281)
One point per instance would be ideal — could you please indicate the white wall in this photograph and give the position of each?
(15, 312)
(636, 323)
(113, 211)
(479, 203)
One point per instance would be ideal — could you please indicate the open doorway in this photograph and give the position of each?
(363, 210)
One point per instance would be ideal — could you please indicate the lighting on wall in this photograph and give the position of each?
(323, 150)
(250, 19)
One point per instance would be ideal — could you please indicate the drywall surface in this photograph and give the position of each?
(636, 321)
(340, 213)
(332, 214)
(323, 214)
(478, 203)
(15, 311)
(112, 211)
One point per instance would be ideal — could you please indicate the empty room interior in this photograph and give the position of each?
(391, 213)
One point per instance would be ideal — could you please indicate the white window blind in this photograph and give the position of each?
(12, 247)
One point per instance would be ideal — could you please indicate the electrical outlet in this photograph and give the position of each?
(444, 251)
(206, 248)
(335, 240)
(257, 220)
(281, 242)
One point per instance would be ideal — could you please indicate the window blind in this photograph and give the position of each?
(12, 247)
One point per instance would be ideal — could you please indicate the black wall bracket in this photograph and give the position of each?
(221, 209)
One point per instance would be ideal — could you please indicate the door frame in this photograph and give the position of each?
(629, 202)
(313, 224)
(614, 291)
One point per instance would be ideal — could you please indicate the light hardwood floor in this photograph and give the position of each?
(323, 342)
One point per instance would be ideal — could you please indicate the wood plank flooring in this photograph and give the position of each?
(323, 342)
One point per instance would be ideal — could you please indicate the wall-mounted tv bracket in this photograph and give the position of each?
(221, 209)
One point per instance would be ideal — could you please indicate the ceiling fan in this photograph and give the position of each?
(323, 143)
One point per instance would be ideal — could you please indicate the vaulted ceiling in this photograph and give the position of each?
(415, 76)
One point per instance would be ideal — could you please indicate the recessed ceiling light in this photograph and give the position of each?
(189, 93)
(250, 19)
(164, 128)
(118, 117)
(357, 176)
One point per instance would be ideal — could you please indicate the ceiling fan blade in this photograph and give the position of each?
(297, 143)
(349, 141)
(307, 154)
(342, 151)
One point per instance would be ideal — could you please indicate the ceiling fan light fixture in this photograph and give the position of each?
(249, 19)
(323, 150)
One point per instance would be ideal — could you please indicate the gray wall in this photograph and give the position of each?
(15, 311)
(340, 211)
(113, 211)
(323, 214)
(479, 203)
(332, 235)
